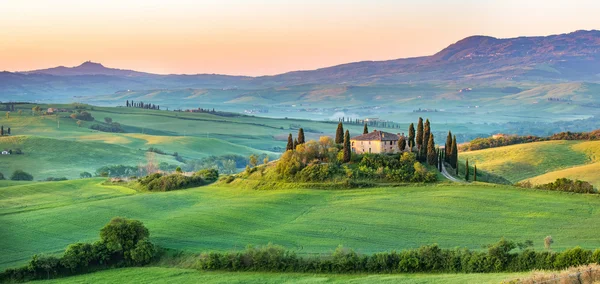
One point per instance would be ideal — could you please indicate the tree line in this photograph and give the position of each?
(142, 105)
(375, 123)
(4, 132)
(506, 140)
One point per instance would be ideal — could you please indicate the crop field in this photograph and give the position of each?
(548, 160)
(176, 275)
(308, 221)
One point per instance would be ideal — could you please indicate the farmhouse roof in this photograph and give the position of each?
(377, 136)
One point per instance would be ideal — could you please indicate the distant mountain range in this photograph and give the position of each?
(477, 59)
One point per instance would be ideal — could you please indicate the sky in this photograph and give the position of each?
(262, 37)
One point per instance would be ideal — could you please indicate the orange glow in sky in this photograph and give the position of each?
(261, 37)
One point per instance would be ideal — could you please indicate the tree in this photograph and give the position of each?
(178, 170)
(122, 235)
(108, 120)
(127, 103)
(467, 170)
(475, 173)
(419, 135)
(425, 144)
(8, 131)
(365, 129)
(454, 162)
(448, 147)
(8, 115)
(290, 143)
(411, 137)
(339, 134)
(347, 151)
(431, 152)
(301, 136)
(21, 175)
(79, 123)
(402, 144)
(85, 175)
(253, 160)
(2, 176)
(440, 159)
(266, 160)
(548, 241)
(295, 143)
(2, 130)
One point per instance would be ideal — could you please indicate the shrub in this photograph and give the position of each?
(84, 115)
(85, 175)
(56, 179)
(21, 175)
(210, 175)
(2, 176)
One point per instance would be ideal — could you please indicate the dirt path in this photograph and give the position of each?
(449, 176)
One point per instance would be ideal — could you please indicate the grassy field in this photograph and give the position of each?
(307, 221)
(175, 275)
(548, 160)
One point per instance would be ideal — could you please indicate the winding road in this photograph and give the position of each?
(449, 176)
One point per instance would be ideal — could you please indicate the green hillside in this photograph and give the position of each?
(304, 220)
(524, 161)
(175, 275)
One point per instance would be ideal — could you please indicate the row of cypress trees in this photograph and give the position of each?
(292, 143)
(2, 132)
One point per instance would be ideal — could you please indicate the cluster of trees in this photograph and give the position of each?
(491, 142)
(120, 171)
(3, 132)
(498, 257)
(55, 179)
(451, 151)
(18, 175)
(109, 126)
(82, 115)
(162, 182)
(142, 105)
(9, 107)
(563, 184)
(123, 242)
(374, 123)
(293, 143)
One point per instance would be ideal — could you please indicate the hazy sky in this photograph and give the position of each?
(258, 37)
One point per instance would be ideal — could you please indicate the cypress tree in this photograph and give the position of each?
(365, 129)
(419, 134)
(411, 137)
(467, 170)
(448, 148)
(300, 136)
(339, 134)
(431, 153)
(2, 130)
(127, 103)
(347, 151)
(8, 131)
(426, 135)
(295, 143)
(290, 144)
(440, 159)
(402, 144)
(454, 153)
(475, 173)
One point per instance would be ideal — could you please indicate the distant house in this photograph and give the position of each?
(499, 135)
(51, 110)
(375, 142)
(5, 153)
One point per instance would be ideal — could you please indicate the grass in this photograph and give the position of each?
(548, 159)
(307, 221)
(176, 275)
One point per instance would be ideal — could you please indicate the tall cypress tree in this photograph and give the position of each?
(295, 143)
(454, 153)
(347, 151)
(365, 129)
(448, 148)
(300, 136)
(426, 135)
(411, 137)
(475, 173)
(440, 159)
(431, 153)
(402, 144)
(290, 144)
(2, 130)
(419, 134)
(339, 134)
(467, 170)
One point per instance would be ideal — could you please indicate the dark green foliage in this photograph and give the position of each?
(419, 134)
(21, 175)
(84, 115)
(365, 129)
(113, 127)
(475, 173)
(295, 144)
(301, 136)
(498, 257)
(124, 242)
(424, 153)
(55, 179)
(402, 144)
(467, 170)
(411, 137)
(563, 184)
(120, 171)
(448, 148)
(85, 175)
(2, 130)
(160, 182)
(491, 142)
(347, 150)
(431, 152)
(454, 159)
(339, 134)
(290, 143)
(2, 176)
(209, 175)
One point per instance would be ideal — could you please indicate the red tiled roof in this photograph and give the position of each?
(377, 136)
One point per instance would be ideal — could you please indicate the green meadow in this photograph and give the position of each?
(307, 221)
(176, 275)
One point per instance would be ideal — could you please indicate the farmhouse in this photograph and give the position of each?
(5, 153)
(376, 142)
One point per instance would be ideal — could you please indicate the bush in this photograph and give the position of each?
(112, 127)
(562, 184)
(2, 176)
(84, 115)
(85, 175)
(160, 182)
(209, 175)
(21, 175)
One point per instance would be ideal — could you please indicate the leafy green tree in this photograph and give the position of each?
(178, 170)
(301, 136)
(143, 252)
(253, 160)
(85, 175)
(347, 148)
(365, 129)
(419, 135)
(108, 120)
(122, 235)
(411, 137)
(431, 152)
(339, 134)
(290, 143)
(21, 175)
